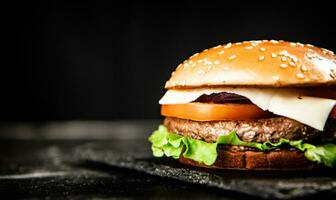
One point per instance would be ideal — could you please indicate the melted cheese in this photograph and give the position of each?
(312, 111)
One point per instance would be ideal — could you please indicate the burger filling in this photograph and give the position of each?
(260, 130)
(196, 131)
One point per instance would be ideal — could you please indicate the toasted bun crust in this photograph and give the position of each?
(257, 63)
(254, 160)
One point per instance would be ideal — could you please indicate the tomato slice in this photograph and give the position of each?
(214, 112)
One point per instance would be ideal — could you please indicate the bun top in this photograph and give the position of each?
(257, 63)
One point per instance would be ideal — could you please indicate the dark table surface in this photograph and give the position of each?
(36, 162)
(41, 161)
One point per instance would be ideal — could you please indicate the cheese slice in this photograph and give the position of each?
(312, 111)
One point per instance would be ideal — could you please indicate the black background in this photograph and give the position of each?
(110, 60)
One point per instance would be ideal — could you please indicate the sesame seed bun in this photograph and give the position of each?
(257, 63)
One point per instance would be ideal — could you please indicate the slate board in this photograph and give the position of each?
(136, 155)
(35, 169)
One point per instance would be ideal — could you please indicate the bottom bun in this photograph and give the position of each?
(256, 160)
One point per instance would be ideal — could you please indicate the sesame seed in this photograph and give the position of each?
(194, 55)
(283, 59)
(232, 57)
(216, 62)
(228, 45)
(261, 58)
(299, 44)
(274, 55)
(190, 61)
(300, 75)
(310, 50)
(209, 67)
(295, 59)
(309, 45)
(324, 52)
(199, 61)
(205, 50)
(292, 64)
(309, 55)
(262, 49)
(293, 44)
(274, 42)
(328, 51)
(207, 62)
(216, 47)
(179, 66)
(194, 64)
(276, 78)
(282, 65)
(249, 48)
(254, 44)
(304, 68)
(221, 52)
(239, 43)
(201, 72)
(283, 53)
(226, 68)
(324, 49)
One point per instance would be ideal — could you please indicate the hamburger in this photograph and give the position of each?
(252, 105)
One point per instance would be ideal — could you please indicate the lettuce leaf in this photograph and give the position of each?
(165, 143)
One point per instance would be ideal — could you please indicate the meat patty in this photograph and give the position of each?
(261, 130)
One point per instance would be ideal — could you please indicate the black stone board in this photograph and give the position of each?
(136, 155)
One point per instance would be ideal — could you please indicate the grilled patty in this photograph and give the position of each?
(261, 130)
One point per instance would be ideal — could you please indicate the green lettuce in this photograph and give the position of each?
(165, 143)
